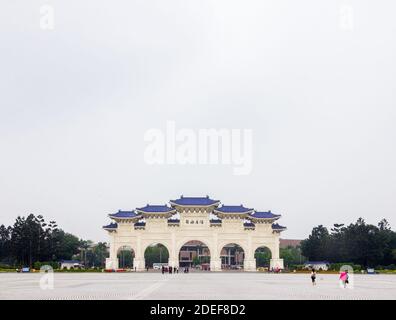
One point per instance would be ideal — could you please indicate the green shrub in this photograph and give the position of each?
(5, 266)
(37, 265)
(337, 266)
(357, 267)
(391, 267)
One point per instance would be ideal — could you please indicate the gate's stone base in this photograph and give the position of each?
(249, 265)
(111, 264)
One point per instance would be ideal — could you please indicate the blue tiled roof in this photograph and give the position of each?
(173, 220)
(140, 224)
(124, 214)
(195, 201)
(215, 221)
(276, 226)
(248, 224)
(111, 226)
(264, 215)
(155, 208)
(233, 209)
(317, 262)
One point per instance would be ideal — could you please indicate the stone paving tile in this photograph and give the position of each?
(194, 286)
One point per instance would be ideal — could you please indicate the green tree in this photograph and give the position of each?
(291, 256)
(263, 257)
(196, 261)
(157, 253)
(360, 243)
(317, 245)
(5, 237)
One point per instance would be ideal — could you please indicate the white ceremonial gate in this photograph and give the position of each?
(194, 219)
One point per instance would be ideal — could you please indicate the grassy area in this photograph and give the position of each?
(386, 271)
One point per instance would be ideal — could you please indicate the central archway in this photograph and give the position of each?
(232, 257)
(156, 255)
(194, 254)
(125, 255)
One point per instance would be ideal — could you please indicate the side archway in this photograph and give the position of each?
(125, 255)
(156, 255)
(263, 256)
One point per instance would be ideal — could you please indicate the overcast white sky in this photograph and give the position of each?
(76, 101)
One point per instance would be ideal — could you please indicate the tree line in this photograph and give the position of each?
(31, 240)
(359, 243)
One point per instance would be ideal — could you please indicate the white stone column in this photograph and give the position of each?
(276, 262)
(139, 264)
(112, 261)
(138, 261)
(215, 260)
(275, 248)
(173, 254)
(249, 265)
(111, 264)
(215, 263)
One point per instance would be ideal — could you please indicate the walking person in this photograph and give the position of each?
(313, 277)
(344, 277)
(163, 269)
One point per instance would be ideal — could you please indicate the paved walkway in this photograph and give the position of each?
(197, 286)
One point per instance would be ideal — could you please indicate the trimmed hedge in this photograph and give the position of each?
(37, 265)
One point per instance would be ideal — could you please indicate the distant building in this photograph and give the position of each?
(68, 264)
(317, 265)
(284, 243)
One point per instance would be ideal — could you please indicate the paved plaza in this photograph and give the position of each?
(197, 286)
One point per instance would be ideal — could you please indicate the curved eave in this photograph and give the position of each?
(230, 212)
(262, 220)
(109, 228)
(174, 204)
(279, 229)
(125, 219)
(114, 216)
(159, 213)
(231, 215)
